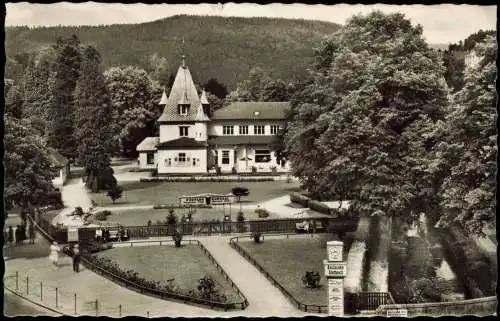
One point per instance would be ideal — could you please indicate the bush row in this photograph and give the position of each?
(168, 287)
(319, 207)
(207, 179)
(300, 199)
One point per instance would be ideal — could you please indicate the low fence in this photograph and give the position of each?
(353, 302)
(170, 295)
(208, 228)
(57, 234)
(59, 300)
(478, 307)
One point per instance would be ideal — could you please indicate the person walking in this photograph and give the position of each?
(76, 259)
(10, 235)
(31, 233)
(18, 235)
(22, 233)
(54, 254)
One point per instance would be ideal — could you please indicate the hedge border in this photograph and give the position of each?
(167, 295)
(301, 306)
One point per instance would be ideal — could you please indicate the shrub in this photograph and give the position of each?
(102, 215)
(115, 193)
(149, 223)
(233, 171)
(319, 207)
(240, 217)
(171, 217)
(262, 213)
(274, 169)
(78, 211)
(300, 199)
(177, 237)
(311, 279)
(239, 192)
(256, 237)
(208, 290)
(254, 169)
(218, 170)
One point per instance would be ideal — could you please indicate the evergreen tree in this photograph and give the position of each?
(216, 88)
(92, 118)
(359, 128)
(61, 112)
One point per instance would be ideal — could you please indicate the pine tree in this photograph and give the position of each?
(92, 119)
(60, 133)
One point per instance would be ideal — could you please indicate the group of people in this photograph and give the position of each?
(54, 256)
(21, 233)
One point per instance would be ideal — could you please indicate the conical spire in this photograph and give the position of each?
(163, 100)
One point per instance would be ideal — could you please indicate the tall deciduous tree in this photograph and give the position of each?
(61, 111)
(216, 88)
(92, 118)
(466, 155)
(28, 171)
(135, 105)
(358, 130)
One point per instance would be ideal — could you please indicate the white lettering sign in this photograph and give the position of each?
(335, 269)
(336, 297)
(397, 313)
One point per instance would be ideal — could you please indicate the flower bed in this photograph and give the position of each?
(225, 298)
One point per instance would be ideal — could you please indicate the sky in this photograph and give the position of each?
(443, 24)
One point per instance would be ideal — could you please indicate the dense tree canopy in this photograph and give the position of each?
(465, 158)
(92, 117)
(28, 171)
(61, 110)
(216, 88)
(134, 99)
(358, 129)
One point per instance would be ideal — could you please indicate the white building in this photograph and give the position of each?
(235, 138)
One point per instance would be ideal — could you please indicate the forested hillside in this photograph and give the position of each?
(225, 48)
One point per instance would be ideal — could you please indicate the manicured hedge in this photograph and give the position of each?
(207, 179)
(300, 199)
(319, 207)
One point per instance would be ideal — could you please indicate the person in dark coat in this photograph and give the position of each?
(22, 233)
(76, 259)
(31, 233)
(18, 234)
(10, 235)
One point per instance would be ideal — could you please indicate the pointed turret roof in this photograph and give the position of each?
(183, 91)
(203, 99)
(163, 100)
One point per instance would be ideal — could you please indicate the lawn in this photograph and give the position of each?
(186, 265)
(141, 217)
(150, 193)
(287, 260)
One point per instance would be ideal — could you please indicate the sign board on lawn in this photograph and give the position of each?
(397, 313)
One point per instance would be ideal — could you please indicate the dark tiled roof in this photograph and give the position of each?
(57, 159)
(181, 143)
(184, 91)
(241, 140)
(252, 110)
(148, 144)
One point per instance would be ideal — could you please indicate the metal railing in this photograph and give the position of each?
(353, 303)
(170, 295)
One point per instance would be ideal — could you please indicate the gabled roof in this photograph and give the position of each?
(252, 110)
(148, 144)
(181, 143)
(57, 159)
(183, 91)
(242, 140)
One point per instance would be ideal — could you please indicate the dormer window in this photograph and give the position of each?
(183, 109)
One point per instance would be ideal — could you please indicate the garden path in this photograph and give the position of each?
(265, 300)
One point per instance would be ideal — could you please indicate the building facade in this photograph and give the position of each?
(236, 138)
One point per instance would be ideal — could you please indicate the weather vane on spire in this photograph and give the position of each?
(183, 56)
